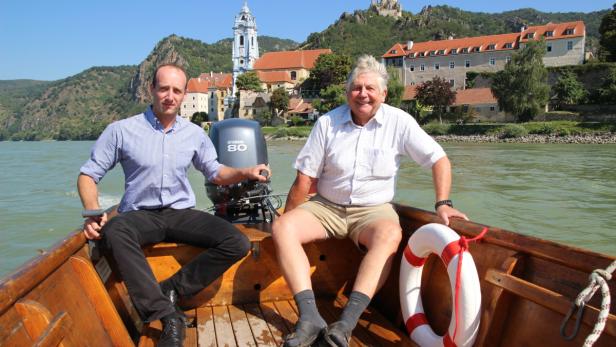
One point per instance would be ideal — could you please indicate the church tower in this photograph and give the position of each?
(245, 45)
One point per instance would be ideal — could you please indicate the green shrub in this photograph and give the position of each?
(541, 128)
(512, 131)
(436, 129)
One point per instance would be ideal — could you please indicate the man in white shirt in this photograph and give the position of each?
(352, 155)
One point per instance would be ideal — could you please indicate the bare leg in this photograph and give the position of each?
(382, 239)
(290, 232)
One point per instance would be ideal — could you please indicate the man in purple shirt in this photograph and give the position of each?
(156, 149)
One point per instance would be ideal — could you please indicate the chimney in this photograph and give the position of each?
(409, 45)
(450, 37)
(211, 73)
(524, 27)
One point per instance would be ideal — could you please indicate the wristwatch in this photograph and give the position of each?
(443, 202)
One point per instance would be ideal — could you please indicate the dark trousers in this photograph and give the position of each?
(124, 235)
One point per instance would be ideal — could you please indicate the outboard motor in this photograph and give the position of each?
(240, 143)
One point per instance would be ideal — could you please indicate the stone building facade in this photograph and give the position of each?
(451, 59)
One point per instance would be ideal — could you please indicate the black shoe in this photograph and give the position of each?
(173, 331)
(173, 296)
(338, 335)
(306, 333)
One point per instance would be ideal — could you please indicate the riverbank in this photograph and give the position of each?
(534, 138)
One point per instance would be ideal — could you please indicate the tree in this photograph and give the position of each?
(249, 81)
(607, 29)
(607, 91)
(395, 89)
(436, 93)
(329, 69)
(279, 101)
(568, 90)
(199, 117)
(330, 98)
(521, 88)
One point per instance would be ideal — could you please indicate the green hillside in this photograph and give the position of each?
(367, 32)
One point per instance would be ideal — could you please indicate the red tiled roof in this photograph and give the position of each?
(558, 30)
(274, 76)
(474, 96)
(219, 80)
(197, 85)
(289, 59)
(299, 106)
(409, 92)
(484, 43)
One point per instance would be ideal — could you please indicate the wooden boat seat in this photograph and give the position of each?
(266, 324)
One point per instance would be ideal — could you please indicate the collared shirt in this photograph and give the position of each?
(155, 161)
(357, 165)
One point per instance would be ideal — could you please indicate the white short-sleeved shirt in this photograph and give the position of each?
(357, 165)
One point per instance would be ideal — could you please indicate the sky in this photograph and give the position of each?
(55, 39)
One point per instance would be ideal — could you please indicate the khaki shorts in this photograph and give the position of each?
(342, 221)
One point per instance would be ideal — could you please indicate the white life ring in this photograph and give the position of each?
(442, 241)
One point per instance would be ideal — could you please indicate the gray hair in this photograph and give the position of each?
(365, 64)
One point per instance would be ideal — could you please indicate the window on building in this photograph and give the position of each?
(492, 108)
(530, 35)
(549, 48)
(293, 75)
(422, 54)
(508, 45)
(492, 61)
(252, 41)
(412, 67)
(570, 31)
(569, 45)
(467, 63)
(422, 67)
(491, 47)
(452, 64)
(452, 83)
(476, 49)
(437, 66)
(549, 33)
(465, 50)
(393, 51)
(454, 51)
(432, 53)
(241, 40)
(507, 59)
(441, 51)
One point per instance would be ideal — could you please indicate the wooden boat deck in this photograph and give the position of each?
(266, 324)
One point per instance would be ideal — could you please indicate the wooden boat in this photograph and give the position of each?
(68, 297)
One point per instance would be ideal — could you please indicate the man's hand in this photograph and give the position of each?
(260, 173)
(92, 226)
(446, 212)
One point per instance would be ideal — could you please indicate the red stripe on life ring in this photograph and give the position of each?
(412, 258)
(450, 251)
(414, 321)
(448, 342)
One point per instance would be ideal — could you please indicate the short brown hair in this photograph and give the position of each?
(170, 65)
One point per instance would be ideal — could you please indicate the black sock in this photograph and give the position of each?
(307, 306)
(352, 311)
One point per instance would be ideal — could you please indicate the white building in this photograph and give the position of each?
(451, 59)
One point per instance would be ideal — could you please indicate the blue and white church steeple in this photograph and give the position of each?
(245, 45)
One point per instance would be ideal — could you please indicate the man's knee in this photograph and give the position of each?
(237, 245)
(282, 228)
(117, 230)
(386, 234)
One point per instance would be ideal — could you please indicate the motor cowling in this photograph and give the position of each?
(240, 143)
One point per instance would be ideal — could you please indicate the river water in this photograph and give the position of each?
(564, 193)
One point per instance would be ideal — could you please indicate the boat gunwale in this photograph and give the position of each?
(569, 256)
(25, 278)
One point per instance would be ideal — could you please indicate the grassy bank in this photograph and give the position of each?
(499, 130)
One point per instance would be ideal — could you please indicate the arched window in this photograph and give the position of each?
(242, 40)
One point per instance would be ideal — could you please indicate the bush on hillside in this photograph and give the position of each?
(436, 129)
(510, 131)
